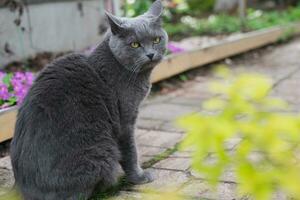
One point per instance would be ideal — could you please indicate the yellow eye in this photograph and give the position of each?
(156, 40)
(135, 44)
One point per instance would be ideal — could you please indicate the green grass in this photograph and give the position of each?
(226, 24)
(161, 156)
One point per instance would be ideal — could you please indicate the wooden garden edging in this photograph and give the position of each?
(178, 63)
(7, 123)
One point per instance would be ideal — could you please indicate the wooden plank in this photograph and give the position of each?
(175, 64)
(7, 123)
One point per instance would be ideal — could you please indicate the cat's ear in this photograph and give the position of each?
(156, 9)
(155, 12)
(115, 23)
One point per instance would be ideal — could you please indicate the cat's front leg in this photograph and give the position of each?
(134, 173)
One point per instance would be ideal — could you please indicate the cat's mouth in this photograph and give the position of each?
(151, 64)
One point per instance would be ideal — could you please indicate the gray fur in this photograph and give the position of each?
(77, 123)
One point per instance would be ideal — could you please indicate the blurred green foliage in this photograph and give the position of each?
(225, 24)
(9, 194)
(134, 8)
(200, 6)
(266, 158)
(185, 18)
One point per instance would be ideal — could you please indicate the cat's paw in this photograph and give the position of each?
(142, 178)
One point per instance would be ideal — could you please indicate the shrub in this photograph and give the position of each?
(266, 159)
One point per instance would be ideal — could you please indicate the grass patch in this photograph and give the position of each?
(160, 156)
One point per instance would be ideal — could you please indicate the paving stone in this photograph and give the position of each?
(286, 90)
(181, 154)
(232, 143)
(174, 164)
(171, 127)
(201, 189)
(164, 180)
(149, 124)
(159, 139)
(5, 163)
(166, 112)
(147, 153)
(227, 176)
(129, 195)
(280, 196)
(124, 195)
(158, 99)
(189, 101)
(140, 132)
(6, 175)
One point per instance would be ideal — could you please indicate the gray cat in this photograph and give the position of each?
(77, 123)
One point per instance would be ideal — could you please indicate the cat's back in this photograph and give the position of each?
(64, 80)
(66, 96)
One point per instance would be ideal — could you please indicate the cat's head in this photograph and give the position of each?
(138, 43)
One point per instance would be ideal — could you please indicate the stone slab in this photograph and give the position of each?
(201, 190)
(174, 164)
(159, 139)
(164, 180)
(6, 175)
(164, 111)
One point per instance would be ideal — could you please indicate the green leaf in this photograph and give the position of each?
(12, 100)
(6, 79)
(183, 77)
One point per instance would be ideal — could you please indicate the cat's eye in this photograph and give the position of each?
(135, 44)
(156, 40)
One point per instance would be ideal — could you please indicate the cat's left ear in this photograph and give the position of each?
(155, 12)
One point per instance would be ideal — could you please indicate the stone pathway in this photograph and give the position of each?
(157, 133)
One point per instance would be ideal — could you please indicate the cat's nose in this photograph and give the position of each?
(150, 56)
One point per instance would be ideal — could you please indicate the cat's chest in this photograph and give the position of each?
(134, 95)
(131, 98)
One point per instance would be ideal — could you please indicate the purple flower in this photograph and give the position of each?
(4, 94)
(19, 85)
(19, 76)
(20, 90)
(175, 48)
(29, 78)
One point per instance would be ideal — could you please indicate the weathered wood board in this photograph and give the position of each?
(7, 123)
(176, 64)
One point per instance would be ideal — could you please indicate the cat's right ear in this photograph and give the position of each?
(115, 24)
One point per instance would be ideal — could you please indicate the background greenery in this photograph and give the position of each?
(184, 18)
